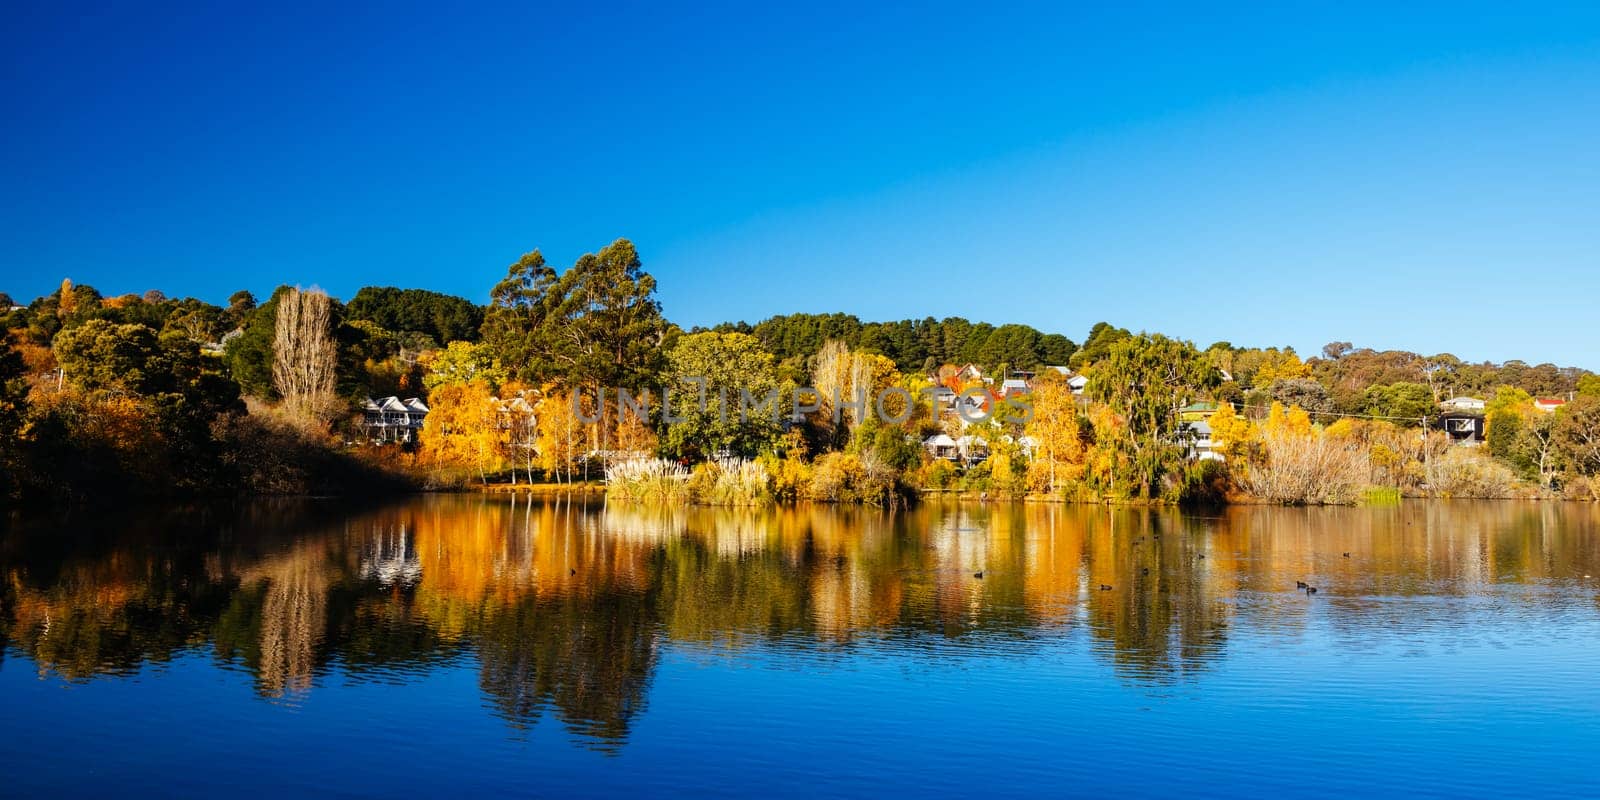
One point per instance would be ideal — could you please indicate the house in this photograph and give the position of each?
(969, 373)
(1078, 383)
(973, 449)
(1011, 387)
(1468, 404)
(390, 419)
(1066, 372)
(1548, 404)
(1198, 411)
(1196, 437)
(1463, 427)
(942, 446)
(944, 398)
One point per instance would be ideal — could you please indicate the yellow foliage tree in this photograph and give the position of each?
(1290, 422)
(1279, 365)
(561, 433)
(1058, 456)
(463, 428)
(1232, 435)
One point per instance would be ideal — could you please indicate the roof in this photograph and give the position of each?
(1013, 383)
(1077, 380)
(1463, 399)
(942, 440)
(416, 405)
(392, 403)
(1063, 370)
(1200, 405)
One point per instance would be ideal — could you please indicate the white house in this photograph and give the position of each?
(942, 446)
(1078, 383)
(1548, 404)
(973, 449)
(390, 419)
(1463, 404)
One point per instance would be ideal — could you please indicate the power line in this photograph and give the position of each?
(1247, 406)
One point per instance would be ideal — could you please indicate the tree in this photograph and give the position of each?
(1589, 385)
(1336, 350)
(13, 408)
(1145, 379)
(561, 433)
(462, 362)
(710, 375)
(463, 428)
(1098, 344)
(201, 323)
(1234, 436)
(1402, 401)
(596, 325)
(249, 355)
(240, 304)
(1059, 453)
(102, 355)
(305, 357)
(1576, 434)
(1301, 392)
(442, 317)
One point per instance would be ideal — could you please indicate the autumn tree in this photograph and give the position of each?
(561, 433)
(305, 356)
(462, 362)
(462, 428)
(1059, 449)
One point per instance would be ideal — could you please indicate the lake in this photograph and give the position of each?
(500, 646)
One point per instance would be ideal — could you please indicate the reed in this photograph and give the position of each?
(647, 480)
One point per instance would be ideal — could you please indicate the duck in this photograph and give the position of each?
(1145, 571)
(1105, 588)
(572, 572)
(1202, 555)
(1301, 584)
(1310, 590)
(978, 575)
(1346, 555)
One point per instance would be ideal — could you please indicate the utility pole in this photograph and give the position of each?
(1427, 466)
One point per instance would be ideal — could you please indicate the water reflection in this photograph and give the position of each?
(565, 609)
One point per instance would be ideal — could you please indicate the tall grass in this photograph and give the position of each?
(1470, 473)
(1298, 469)
(724, 482)
(647, 480)
(739, 482)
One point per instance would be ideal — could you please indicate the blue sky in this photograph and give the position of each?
(1426, 178)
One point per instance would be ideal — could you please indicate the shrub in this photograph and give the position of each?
(1466, 473)
(1297, 468)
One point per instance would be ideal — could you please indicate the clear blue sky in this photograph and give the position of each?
(1426, 178)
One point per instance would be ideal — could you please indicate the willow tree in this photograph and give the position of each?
(305, 356)
(1145, 379)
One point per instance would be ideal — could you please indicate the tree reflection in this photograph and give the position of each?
(565, 608)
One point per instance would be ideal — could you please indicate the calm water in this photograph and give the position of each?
(491, 646)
